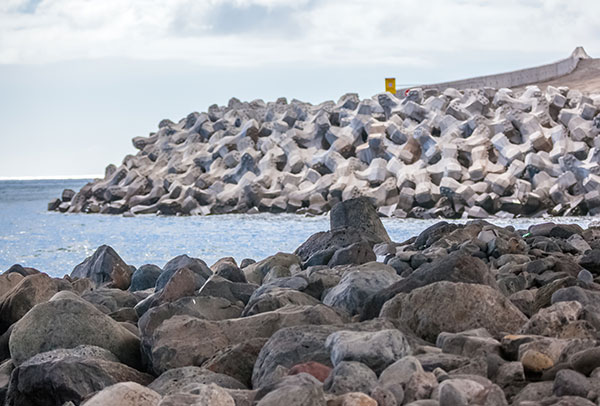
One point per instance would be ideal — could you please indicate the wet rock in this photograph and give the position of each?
(467, 306)
(104, 266)
(68, 323)
(591, 261)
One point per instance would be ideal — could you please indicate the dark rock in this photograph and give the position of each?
(455, 267)
(586, 361)
(144, 277)
(591, 261)
(53, 204)
(233, 291)
(197, 266)
(360, 214)
(104, 266)
(246, 261)
(571, 383)
(320, 247)
(276, 298)
(357, 253)
(60, 376)
(294, 345)
(433, 233)
(67, 195)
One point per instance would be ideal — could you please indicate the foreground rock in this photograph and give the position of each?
(462, 314)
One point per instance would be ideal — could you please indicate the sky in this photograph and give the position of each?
(80, 78)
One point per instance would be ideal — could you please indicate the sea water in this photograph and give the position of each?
(54, 242)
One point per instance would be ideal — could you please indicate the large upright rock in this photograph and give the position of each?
(104, 266)
(465, 306)
(360, 214)
(68, 322)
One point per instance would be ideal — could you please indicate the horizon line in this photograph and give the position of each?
(52, 177)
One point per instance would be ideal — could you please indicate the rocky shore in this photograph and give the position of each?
(470, 154)
(462, 314)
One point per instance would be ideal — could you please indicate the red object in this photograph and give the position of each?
(316, 369)
(406, 92)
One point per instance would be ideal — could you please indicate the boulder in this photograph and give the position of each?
(294, 345)
(458, 266)
(110, 300)
(280, 262)
(571, 383)
(201, 395)
(276, 298)
(144, 277)
(217, 286)
(104, 266)
(467, 306)
(316, 369)
(125, 394)
(319, 248)
(201, 271)
(295, 390)
(63, 375)
(184, 340)
(30, 291)
(359, 214)
(377, 350)
(9, 281)
(67, 323)
(184, 379)
(350, 376)
(237, 361)
(357, 284)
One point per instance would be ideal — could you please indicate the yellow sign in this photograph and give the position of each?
(390, 85)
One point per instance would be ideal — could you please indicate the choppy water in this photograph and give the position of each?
(54, 242)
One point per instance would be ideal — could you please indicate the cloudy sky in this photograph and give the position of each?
(80, 78)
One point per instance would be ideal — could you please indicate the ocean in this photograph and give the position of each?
(54, 243)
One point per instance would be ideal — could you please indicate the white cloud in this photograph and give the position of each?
(251, 32)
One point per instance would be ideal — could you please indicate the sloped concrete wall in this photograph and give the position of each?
(519, 77)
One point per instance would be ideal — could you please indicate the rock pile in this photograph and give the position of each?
(471, 154)
(462, 314)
